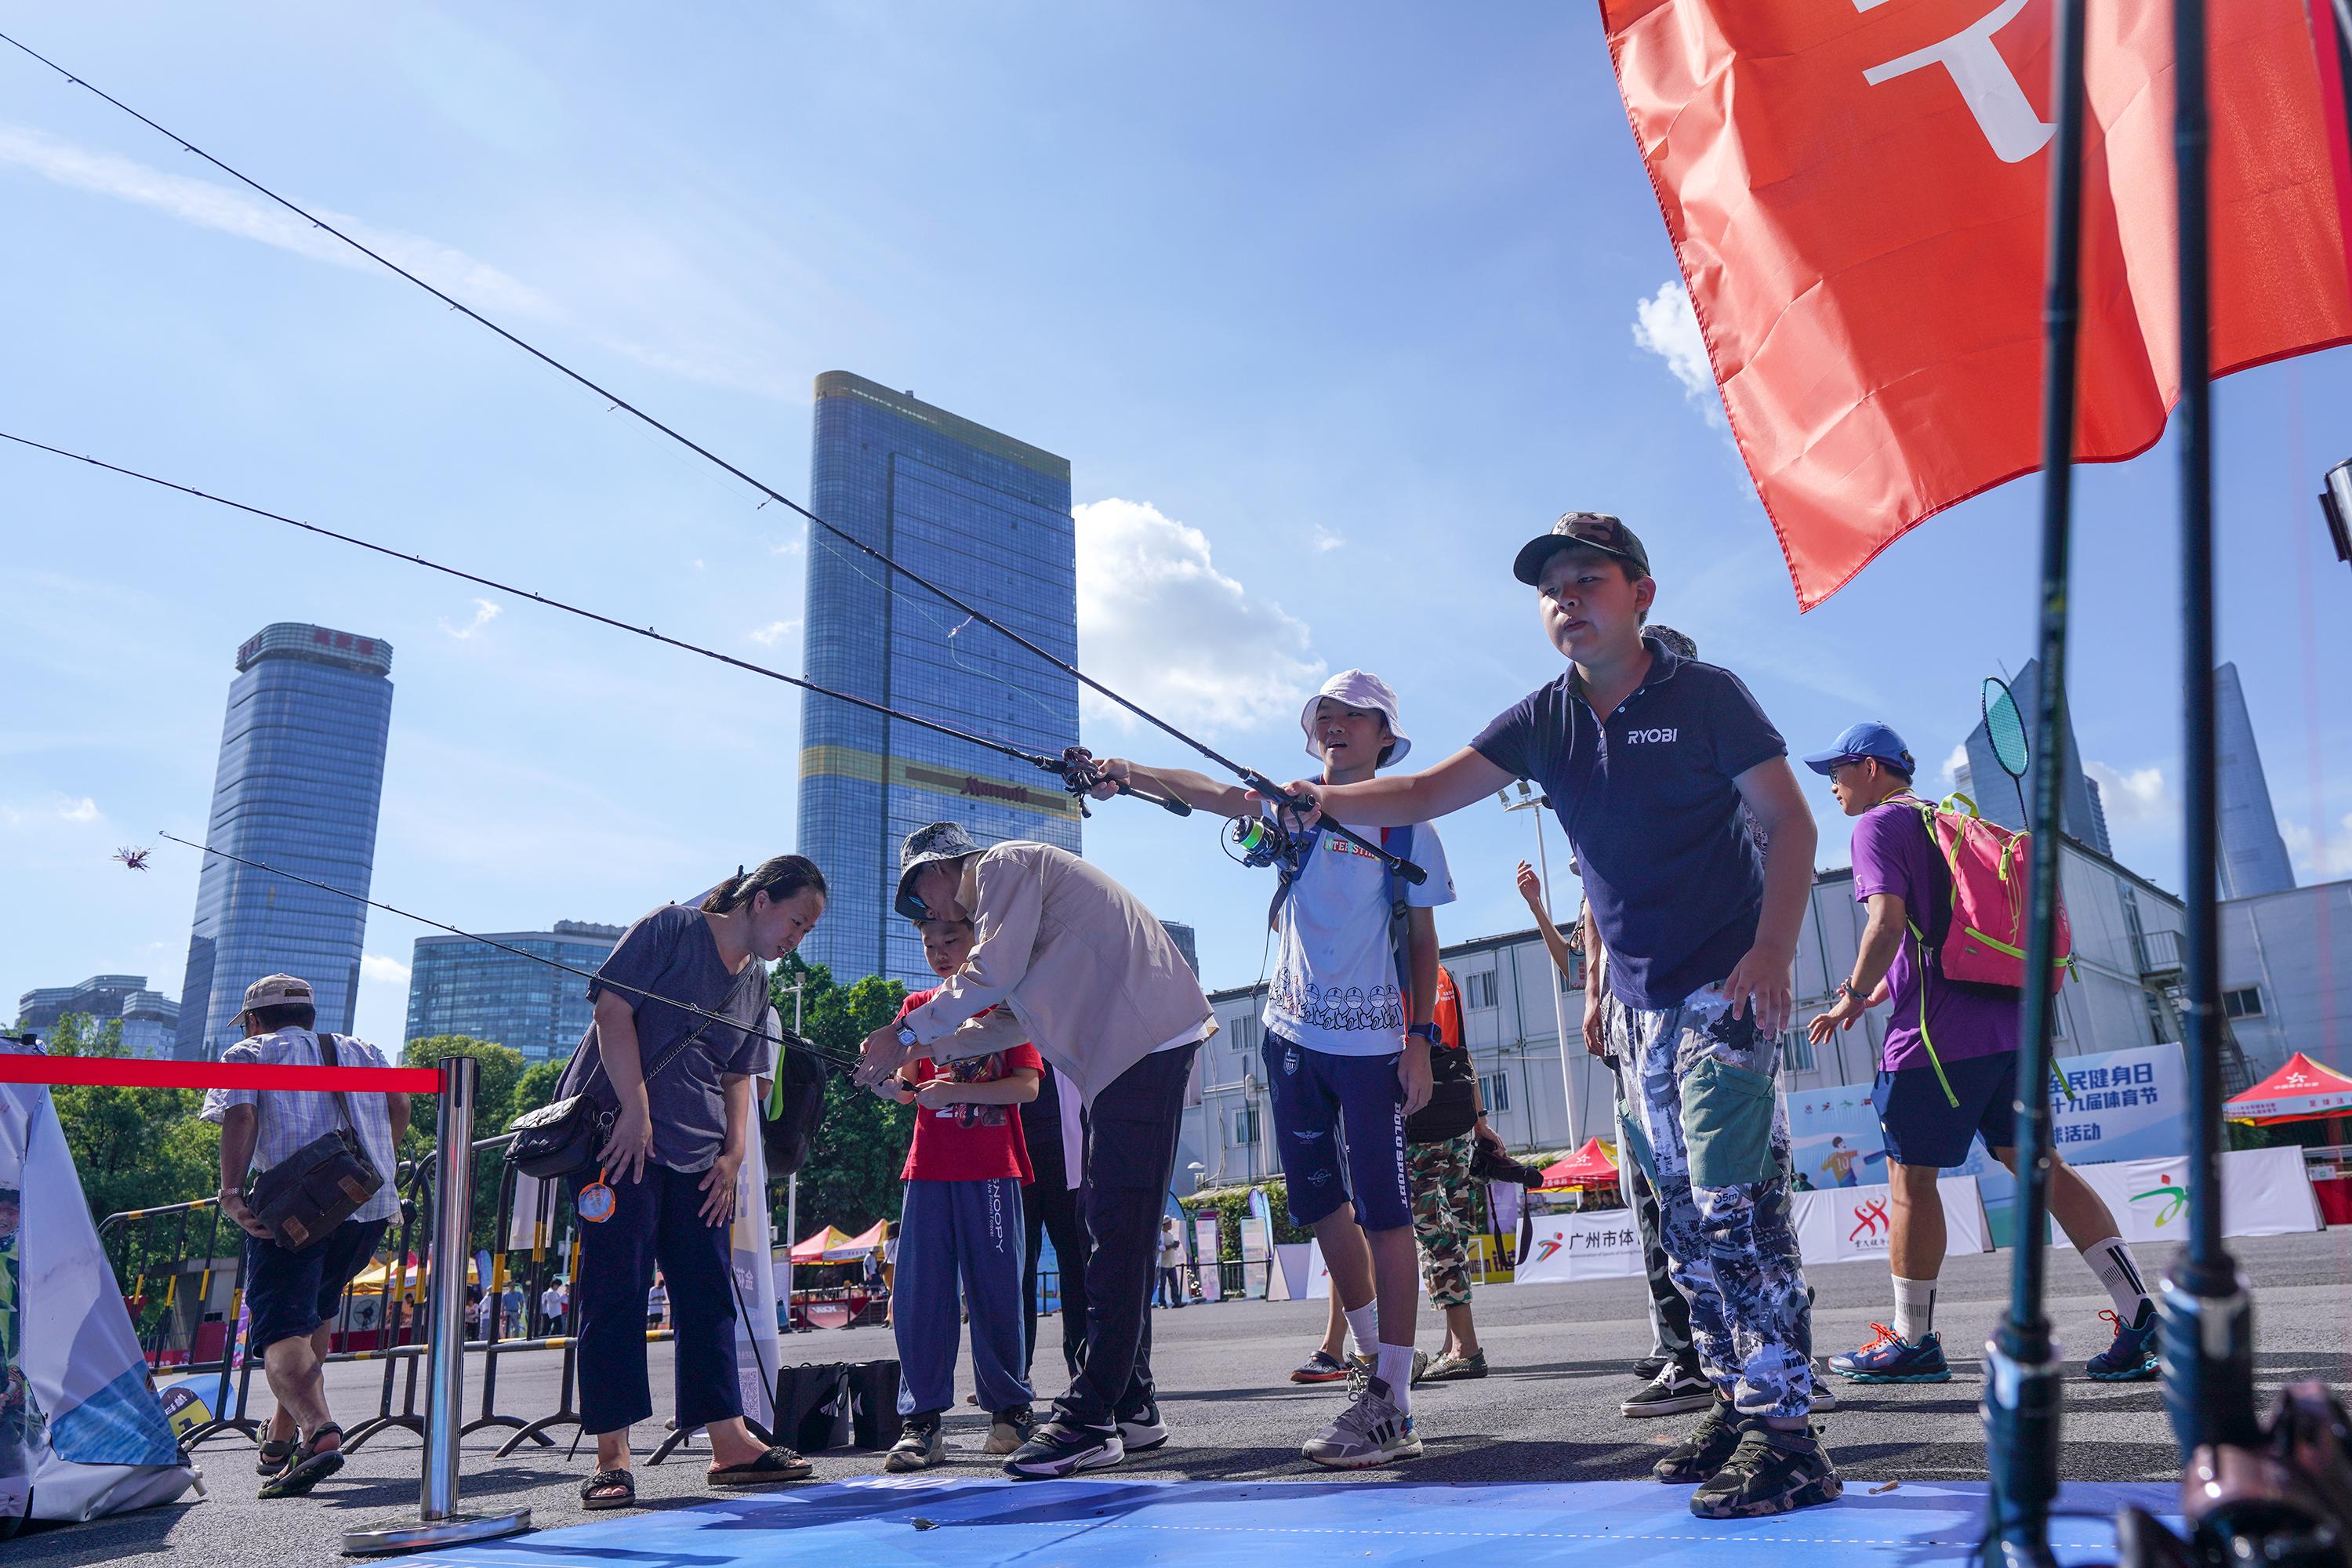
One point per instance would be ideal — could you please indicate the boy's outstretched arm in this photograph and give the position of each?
(1463, 779)
(1196, 790)
(1762, 981)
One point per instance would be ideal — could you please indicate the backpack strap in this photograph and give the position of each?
(1400, 912)
(1285, 875)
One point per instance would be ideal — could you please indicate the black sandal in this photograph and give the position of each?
(312, 1465)
(276, 1452)
(609, 1488)
(776, 1466)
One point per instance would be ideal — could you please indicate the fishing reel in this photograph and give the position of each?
(1081, 774)
(1263, 841)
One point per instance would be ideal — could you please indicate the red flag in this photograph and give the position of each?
(1857, 192)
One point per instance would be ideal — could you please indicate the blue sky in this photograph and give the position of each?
(1340, 314)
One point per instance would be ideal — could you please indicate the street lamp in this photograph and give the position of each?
(1529, 801)
(792, 1182)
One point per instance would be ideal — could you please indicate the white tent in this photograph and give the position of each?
(81, 1433)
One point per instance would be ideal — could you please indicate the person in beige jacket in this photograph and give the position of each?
(1071, 962)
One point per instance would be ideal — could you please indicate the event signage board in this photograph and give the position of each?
(1842, 1224)
(1206, 1249)
(1561, 1246)
(2264, 1192)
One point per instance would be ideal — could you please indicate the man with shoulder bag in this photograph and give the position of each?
(322, 1166)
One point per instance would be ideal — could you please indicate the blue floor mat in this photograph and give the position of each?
(881, 1522)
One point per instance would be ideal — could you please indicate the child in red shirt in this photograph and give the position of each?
(961, 1223)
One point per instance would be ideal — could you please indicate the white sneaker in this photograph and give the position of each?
(920, 1447)
(1371, 1431)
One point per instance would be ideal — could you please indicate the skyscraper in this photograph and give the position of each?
(300, 777)
(150, 1020)
(2079, 815)
(458, 987)
(988, 517)
(2254, 856)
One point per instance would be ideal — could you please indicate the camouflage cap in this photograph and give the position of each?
(938, 841)
(1586, 530)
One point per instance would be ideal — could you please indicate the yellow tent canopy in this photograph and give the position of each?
(371, 1280)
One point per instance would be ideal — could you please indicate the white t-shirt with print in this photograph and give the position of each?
(1335, 975)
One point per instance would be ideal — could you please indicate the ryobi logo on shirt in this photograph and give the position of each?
(1651, 737)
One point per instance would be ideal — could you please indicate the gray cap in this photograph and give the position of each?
(277, 990)
(939, 841)
(1574, 530)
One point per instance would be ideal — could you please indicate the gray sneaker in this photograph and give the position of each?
(920, 1445)
(1371, 1431)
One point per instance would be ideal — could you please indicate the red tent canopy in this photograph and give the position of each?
(2303, 1090)
(1589, 1166)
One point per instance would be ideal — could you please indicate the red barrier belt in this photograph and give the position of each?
(132, 1072)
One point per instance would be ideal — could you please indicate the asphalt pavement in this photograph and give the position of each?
(1548, 1411)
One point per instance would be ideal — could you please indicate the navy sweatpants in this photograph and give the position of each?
(966, 1234)
(656, 1219)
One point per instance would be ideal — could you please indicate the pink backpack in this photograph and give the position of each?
(1991, 867)
(1984, 944)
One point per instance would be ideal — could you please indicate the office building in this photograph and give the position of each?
(988, 517)
(149, 1018)
(1182, 936)
(2254, 856)
(2287, 975)
(300, 780)
(458, 987)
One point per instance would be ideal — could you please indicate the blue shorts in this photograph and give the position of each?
(1922, 1128)
(289, 1294)
(1328, 1108)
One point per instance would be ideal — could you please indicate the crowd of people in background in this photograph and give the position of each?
(1047, 1074)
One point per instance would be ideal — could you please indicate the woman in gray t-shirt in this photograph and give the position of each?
(665, 1191)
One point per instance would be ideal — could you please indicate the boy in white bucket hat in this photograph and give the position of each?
(1349, 1020)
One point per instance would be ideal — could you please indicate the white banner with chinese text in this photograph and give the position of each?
(1837, 1225)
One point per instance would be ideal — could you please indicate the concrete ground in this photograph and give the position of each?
(1547, 1413)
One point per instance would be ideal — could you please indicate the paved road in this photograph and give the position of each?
(1548, 1413)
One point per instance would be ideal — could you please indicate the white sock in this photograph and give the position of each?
(1915, 1309)
(1364, 1327)
(1395, 1369)
(2111, 1260)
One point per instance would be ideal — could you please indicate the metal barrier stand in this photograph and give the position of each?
(439, 1522)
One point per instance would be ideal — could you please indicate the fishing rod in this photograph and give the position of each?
(1074, 767)
(1255, 779)
(783, 1040)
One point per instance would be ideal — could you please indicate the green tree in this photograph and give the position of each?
(500, 1075)
(536, 1087)
(851, 1179)
(135, 1147)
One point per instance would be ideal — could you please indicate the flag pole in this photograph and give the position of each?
(2020, 1397)
(2207, 1310)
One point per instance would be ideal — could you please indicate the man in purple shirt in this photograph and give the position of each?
(1946, 1075)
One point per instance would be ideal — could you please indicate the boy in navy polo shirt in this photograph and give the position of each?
(1947, 1074)
(1648, 758)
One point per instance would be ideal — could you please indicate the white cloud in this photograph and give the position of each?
(1955, 762)
(1665, 324)
(382, 971)
(775, 631)
(1324, 541)
(76, 809)
(82, 810)
(485, 612)
(2138, 799)
(1159, 624)
(209, 205)
(2317, 862)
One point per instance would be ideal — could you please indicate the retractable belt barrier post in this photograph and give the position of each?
(439, 1522)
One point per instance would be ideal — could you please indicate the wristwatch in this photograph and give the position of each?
(907, 1036)
(1424, 1032)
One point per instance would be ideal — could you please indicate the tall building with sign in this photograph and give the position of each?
(988, 517)
(460, 987)
(300, 776)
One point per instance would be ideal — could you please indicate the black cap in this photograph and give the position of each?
(1575, 529)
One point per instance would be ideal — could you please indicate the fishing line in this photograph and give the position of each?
(1074, 769)
(1255, 780)
(788, 1040)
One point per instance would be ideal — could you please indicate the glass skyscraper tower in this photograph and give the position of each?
(988, 517)
(300, 777)
(459, 986)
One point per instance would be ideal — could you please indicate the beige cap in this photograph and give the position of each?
(277, 990)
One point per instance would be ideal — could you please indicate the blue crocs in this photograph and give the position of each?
(2132, 1358)
(1890, 1358)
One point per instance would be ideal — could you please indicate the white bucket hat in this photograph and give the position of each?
(1357, 688)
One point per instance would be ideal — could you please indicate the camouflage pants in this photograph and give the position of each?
(1444, 1215)
(1701, 1118)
